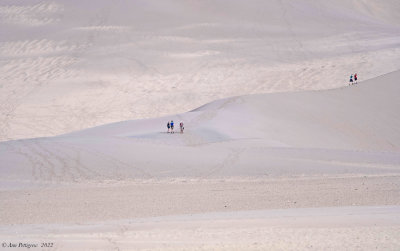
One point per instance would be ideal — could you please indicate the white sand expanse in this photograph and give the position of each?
(67, 65)
(282, 156)
(350, 228)
(300, 170)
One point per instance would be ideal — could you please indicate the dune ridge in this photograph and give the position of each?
(66, 66)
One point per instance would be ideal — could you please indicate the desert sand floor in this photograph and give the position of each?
(357, 213)
(350, 228)
(124, 200)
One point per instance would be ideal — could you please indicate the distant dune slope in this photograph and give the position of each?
(69, 65)
(350, 131)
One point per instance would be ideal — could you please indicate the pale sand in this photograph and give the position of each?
(131, 186)
(317, 215)
(350, 228)
(68, 65)
(84, 203)
(293, 171)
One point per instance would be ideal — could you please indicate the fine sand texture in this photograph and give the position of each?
(67, 65)
(350, 228)
(295, 171)
(278, 151)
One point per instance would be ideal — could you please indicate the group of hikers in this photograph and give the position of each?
(352, 82)
(170, 126)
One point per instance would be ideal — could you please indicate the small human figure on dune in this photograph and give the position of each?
(181, 126)
(168, 126)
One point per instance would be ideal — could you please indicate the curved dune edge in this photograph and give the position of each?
(304, 170)
(66, 66)
(313, 165)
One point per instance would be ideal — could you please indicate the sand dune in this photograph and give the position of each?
(66, 66)
(278, 151)
(350, 130)
(310, 152)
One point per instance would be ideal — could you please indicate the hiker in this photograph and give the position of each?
(181, 126)
(355, 78)
(168, 126)
(351, 80)
(172, 126)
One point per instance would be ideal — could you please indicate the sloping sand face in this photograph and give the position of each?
(69, 65)
(312, 169)
(349, 130)
(302, 170)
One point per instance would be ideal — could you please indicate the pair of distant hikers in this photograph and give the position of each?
(170, 126)
(351, 82)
